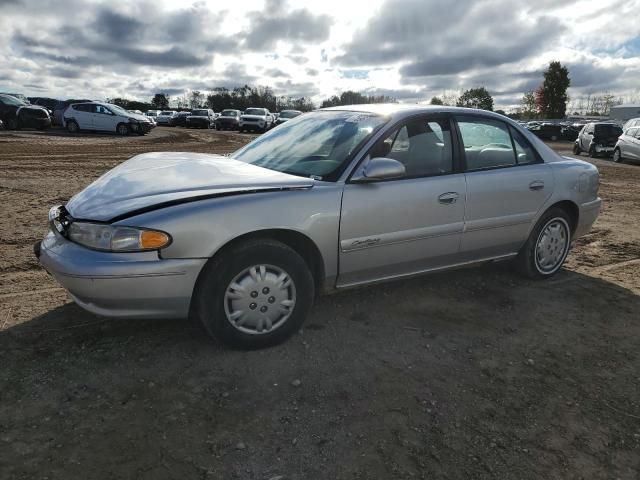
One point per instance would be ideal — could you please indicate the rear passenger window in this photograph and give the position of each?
(487, 143)
(525, 153)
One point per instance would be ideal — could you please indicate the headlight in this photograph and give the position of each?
(116, 238)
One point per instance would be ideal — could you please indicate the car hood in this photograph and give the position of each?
(152, 180)
(253, 117)
(204, 117)
(140, 118)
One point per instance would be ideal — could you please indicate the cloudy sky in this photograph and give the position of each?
(410, 49)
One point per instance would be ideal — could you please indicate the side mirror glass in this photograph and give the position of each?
(380, 168)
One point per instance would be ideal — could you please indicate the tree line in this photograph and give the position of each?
(241, 98)
(549, 100)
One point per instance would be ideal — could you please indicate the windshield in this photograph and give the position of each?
(312, 145)
(254, 111)
(289, 114)
(200, 113)
(228, 113)
(151, 114)
(166, 113)
(116, 109)
(9, 100)
(608, 130)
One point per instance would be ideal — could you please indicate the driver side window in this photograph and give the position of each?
(422, 145)
(103, 110)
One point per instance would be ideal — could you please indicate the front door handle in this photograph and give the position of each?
(448, 198)
(537, 185)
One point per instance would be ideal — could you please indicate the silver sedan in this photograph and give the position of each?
(337, 198)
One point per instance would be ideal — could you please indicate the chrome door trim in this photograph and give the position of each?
(404, 236)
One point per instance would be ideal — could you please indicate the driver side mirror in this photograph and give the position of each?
(379, 168)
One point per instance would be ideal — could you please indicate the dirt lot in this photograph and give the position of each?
(472, 374)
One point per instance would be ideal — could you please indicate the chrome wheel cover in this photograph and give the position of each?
(260, 299)
(552, 246)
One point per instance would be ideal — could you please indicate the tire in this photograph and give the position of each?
(72, 126)
(13, 124)
(617, 156)
(122, 129)
(547, 246)
(576, 149)
(215, 301)
(592, 152)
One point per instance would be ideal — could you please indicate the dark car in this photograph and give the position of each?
(597, 138)
(179, 119)
(287, 115)
(16, 114)
(201, 118)
(571, 131)
(61, 106)
(228, 120)
(547, 131)
(48, 103)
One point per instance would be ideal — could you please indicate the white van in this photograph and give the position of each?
(104, 117)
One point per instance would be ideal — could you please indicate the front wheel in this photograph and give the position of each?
(617, 155)
(122, 129)
(254, 295)
(13, 124)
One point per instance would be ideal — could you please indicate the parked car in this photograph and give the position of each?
(597, 138)
(628, 145)
(163, 117)
(546, 131)
(201, 118)
(179, 119)
(571, 131)
(373, 193)
(61, 106)
(255, 119)
(15, 114)
(48, 103)
(105, 117)
(228, 120)
(19, 96)
(287, 115)
(634, 122)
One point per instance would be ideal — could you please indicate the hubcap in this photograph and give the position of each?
(260, 299)
(552, 246)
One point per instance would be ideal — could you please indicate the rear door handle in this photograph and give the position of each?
(537, 185)
(448, 198)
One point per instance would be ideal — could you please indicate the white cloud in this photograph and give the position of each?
(411, 49)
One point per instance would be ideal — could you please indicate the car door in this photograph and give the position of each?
(82, 114)
(507, 184)
(411, 224)
(586, 136)
(103, 119)
(631, 144)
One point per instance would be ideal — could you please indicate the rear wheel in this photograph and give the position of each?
(72, 126)
(254, 295)
(617, 156)
(548, 245)
(592, 152)
(576, 149)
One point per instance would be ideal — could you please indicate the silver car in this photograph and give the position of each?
(332, 199)
(628, 145)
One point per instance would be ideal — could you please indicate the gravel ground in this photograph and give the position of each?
(476, 373)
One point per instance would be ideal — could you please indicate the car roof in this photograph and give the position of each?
(399, 110)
